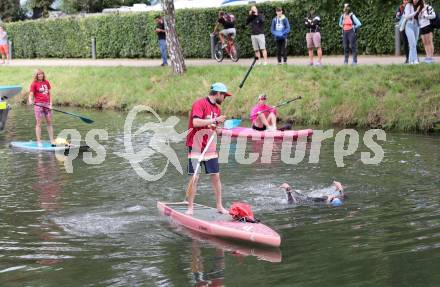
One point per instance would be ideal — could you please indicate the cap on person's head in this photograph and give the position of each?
(262, 97)
(336, 202)
(346, 6)
(220, 87)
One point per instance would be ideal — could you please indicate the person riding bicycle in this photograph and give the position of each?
(228, 22)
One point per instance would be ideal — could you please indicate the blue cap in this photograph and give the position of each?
(220, 87)
(336, 202)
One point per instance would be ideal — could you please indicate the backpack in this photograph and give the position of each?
(229, 18)
(435, 23)
(242, 212)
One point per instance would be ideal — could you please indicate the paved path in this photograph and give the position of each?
(328, 60)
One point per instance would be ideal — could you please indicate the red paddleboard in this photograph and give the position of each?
(251, 133)
(207, 220)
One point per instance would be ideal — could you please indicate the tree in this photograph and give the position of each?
(40, 7)
(94, 6)
(9, 10)
(74, 6)
(174, 48)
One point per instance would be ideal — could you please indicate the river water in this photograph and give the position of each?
(99, 225)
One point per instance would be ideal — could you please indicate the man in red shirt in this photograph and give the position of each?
(204, 117)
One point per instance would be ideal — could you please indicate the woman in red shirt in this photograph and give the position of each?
(39, 96)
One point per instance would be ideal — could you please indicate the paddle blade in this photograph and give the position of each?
(87, 120)
(230, 124)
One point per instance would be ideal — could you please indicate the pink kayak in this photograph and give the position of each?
(207, 220)
(251, 133)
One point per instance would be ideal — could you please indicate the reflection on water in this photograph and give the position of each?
(99, 226)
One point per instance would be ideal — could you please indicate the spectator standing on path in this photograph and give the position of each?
(349, 24)
(280, 29)
(424, 18)
(411, 30)
(313, 36)
(4, 49)
(257, 33)
(400, 19)
(160, 31)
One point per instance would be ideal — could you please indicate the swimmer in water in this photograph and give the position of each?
(335, 199)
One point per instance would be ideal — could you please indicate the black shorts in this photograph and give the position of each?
(426, 30)
(259, 129)
(211, 165)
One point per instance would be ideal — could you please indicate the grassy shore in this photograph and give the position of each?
(392, 97)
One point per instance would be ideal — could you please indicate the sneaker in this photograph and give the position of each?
(354, 63)
(164, 64)
(428, 60)
(279, 63)
(39, 144)
(285, 63)
(271, 129)
(311, 64)
(265, 64)
(318, 64)
(345, 63)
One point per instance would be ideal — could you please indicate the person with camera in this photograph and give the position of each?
(256, 20)
(313, 36)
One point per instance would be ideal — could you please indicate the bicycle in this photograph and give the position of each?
(230, 49)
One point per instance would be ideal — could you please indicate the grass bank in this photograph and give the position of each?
(393, 97)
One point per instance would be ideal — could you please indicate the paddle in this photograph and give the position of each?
(84, 119)
(247, 73)
(230, 124)
(279, 105)
(190, 188)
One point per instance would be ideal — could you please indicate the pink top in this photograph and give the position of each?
(261, 107)
(347, 24)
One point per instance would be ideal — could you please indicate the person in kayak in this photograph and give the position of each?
(204, 118)
(333, 197)
(263, 117)
(39, 96)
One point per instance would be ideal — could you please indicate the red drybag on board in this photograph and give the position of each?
(242, 212)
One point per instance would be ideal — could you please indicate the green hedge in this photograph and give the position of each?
(133, 36)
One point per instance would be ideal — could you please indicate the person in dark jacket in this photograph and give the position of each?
(280, 29)
(161, 36)
(256, 20)
(313, 36)
(404, 39)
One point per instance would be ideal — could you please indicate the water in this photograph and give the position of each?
(99, 226)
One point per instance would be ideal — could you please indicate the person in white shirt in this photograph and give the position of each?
(426, 30)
